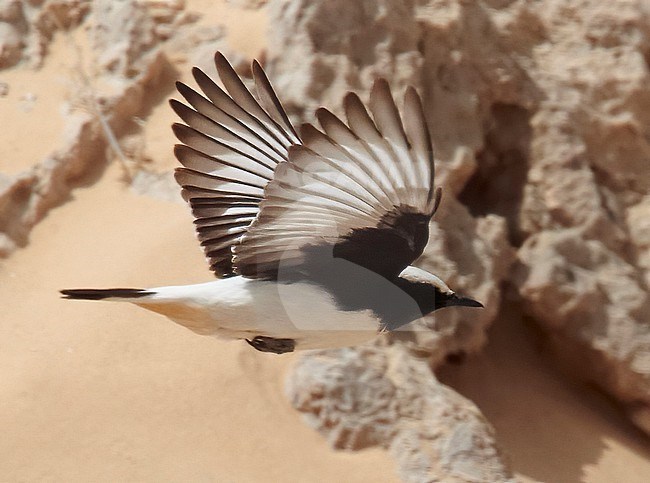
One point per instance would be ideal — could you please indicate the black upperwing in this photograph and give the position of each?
(387, 249)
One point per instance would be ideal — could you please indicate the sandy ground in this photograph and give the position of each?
(109, 392)
(551, 428)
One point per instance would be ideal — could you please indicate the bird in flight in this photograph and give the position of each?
(311, 235)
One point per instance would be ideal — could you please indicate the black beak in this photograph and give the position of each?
(464, 301)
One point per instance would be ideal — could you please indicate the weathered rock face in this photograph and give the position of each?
(371, 396)
(12, 25)
(26, 28)
(581, 268)
(125, 60)
(539, 115)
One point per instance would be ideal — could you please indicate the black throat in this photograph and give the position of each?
(419, 299)
(395, 301)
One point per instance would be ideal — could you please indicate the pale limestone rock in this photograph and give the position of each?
(122, 34)
(39, 20)
(582, 271)
(161, 186)
(104, 107)
(11, 11)
(164, 11)
(127, 42)
(126, 33)
(59, 14)
(11, 45)
(638, 224)
(13, 28)
(248, 4)
(595, 307)
(369, 396)
(539, 113)
(322, 49)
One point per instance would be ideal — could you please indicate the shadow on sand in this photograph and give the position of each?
(551, 428)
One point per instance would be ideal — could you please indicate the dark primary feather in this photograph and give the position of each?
(268, 201)
(231, 147)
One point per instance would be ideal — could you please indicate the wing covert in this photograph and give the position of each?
(362, 192)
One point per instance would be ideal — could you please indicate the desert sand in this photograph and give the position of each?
(106, 392)
(109, 392)
(552, 428)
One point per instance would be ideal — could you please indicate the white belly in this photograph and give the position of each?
(239, 308)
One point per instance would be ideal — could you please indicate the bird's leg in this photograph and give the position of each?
(269, 344)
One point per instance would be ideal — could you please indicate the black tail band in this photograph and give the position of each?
(104, 293)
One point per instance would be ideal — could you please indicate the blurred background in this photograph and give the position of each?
(540, 116)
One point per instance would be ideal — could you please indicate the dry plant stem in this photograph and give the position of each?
(89, 100)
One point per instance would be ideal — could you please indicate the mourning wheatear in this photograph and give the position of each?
(310, 235)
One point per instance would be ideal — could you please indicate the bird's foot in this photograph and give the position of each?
(269, 344)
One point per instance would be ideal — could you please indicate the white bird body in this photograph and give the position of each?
(311, 234)
(241, 308)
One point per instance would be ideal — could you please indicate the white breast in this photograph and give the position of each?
(239, 308)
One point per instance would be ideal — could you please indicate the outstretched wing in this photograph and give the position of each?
(232, 143)
(362, 192)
